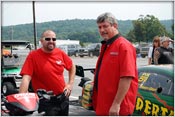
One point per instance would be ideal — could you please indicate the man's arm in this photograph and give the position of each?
(149, 61)
(150, 55)
(69, 85)
(123, 87)
(24, 84)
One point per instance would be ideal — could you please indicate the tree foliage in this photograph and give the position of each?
(145, 28)
(86, 30)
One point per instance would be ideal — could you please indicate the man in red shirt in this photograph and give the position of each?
(44, 67)
(116, 76)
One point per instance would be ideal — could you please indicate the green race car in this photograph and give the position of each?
(156, 91)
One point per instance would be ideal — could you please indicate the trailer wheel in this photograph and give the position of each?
(8, 88)
(76, 54)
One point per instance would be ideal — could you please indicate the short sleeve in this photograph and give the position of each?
(127, 60)
(28, 67)
(67, 60)
(150, 52)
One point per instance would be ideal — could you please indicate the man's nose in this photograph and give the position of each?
(101, 29)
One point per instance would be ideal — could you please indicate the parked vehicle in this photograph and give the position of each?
(10, 67)
(137, 48)
(83, 52)
(144, 51)
(91, 50)
(19, 104)
(94, 49)
(144, 48)
(73, 49)
(156, 91)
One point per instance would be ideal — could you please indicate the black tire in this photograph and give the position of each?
(8, 88)
(143, 56)
(81, 56)
(76, 54)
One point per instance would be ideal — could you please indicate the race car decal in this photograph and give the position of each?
(142, 80)
(144, 77)
(148, 88)
(150, 108)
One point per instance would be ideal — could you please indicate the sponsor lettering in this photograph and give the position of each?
(150, 108)
(22, 95)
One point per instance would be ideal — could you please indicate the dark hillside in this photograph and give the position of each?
(84, 30)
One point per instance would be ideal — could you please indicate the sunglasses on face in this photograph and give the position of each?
(48, 39)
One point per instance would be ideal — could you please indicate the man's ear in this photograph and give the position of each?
(41, 41)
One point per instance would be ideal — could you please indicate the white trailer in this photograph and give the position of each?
(67, 42)
(62, 44)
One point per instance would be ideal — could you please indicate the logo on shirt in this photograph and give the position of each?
(59, 62)
(114, 53)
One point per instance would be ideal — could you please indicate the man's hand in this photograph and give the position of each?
(68, 89)
(123, 88)
(69, 85)
(114, 110)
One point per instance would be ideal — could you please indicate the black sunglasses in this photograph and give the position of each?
(48, 39)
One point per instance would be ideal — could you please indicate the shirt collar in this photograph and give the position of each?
(110, 41)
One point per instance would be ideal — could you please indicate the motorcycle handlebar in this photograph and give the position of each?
(48, 95)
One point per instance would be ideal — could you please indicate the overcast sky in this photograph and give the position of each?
(14, 13)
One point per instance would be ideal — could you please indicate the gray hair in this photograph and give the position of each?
(109, 17)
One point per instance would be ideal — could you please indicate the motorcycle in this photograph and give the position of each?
(25, 104)
(21, 104)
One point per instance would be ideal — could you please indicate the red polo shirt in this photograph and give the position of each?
(46, 69)
(119, 60)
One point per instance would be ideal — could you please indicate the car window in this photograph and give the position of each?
(70, 46)
(73, 46)
(153, 81)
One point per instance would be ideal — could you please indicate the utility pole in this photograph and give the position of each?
(34, 24)
(12, 33)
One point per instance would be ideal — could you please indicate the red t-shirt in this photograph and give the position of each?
(46, 69)
(119, 60)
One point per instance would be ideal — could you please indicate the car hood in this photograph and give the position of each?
(167, 69)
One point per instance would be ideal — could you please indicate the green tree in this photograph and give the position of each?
(85, 30)
(145, 28)
(131, 36)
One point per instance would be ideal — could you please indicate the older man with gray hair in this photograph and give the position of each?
(164, 54)
(116, 76)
